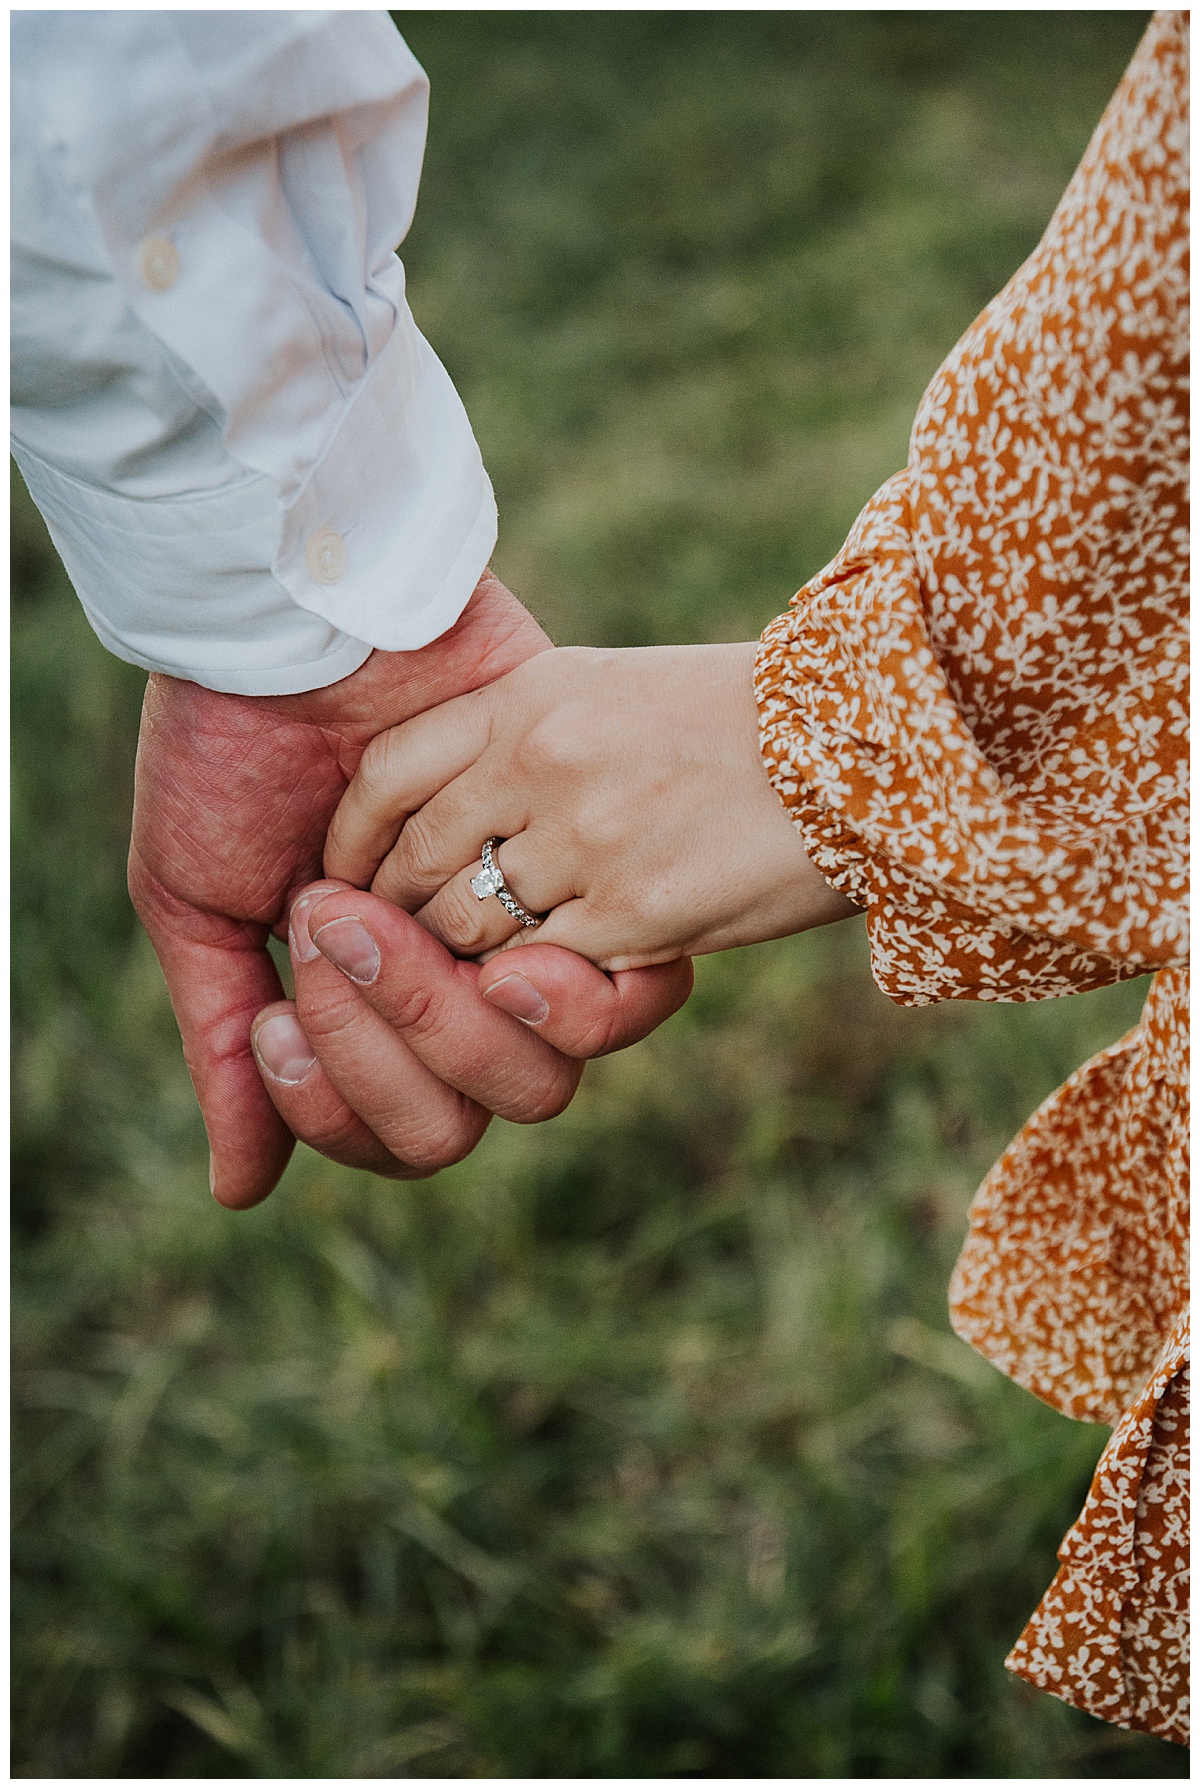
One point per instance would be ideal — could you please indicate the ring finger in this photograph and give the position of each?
(470, 924)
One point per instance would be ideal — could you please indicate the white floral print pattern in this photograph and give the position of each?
(976, 715)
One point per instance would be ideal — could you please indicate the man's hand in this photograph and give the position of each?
(396, 1054)
(232, 799)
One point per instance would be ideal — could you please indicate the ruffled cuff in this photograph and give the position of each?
(971, 891)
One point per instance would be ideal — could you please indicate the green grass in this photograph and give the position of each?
(638, 1444)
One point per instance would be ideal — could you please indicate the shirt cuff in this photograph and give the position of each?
(382, 546)
(389, 534)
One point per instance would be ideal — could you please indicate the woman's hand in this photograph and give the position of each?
(233, 798)
(630, 795)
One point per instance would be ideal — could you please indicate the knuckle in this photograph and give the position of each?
(551, 1099)
(595, 1039)
(137, 880)
(442, 1142)
(340, 843)
(377, 766)
(159, 909)
(417, 856)
(424, 1160)
(602, 827)
(459, 921)
(656, 902)
(413, 1008)
(342, 1137)
(338, 1136)
(556, 743)
(327, 1008)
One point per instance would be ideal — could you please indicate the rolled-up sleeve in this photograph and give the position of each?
(253, 465)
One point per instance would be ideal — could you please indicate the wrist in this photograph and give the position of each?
(494, 634)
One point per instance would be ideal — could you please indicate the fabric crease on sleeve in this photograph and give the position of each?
(252, 463)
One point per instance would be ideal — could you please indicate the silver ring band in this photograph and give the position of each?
(490, 881)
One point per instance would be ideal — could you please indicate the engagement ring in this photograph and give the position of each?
(490, 881)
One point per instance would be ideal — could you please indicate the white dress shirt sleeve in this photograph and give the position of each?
(252, 463)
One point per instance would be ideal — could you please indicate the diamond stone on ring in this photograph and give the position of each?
(490, 881)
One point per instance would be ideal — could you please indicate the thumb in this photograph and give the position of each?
(219, 975)
(578, 1008)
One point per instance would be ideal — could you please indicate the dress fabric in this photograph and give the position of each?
(976, 717)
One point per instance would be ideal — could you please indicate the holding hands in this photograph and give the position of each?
(626, 800)
(631, 807)
(399, 1074)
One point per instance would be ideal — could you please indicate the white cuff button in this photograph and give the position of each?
(158, 263)
(325, 556)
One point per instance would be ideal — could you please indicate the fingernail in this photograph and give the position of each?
(282, 1049)
(349, 947)
(519, 997)
(299, 942)
(212, 1177)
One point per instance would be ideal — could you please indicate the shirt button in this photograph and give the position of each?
(325, 556)
(158, 263)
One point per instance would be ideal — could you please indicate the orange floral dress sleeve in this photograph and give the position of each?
(976, 715)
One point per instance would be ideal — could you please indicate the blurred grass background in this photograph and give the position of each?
(638, 1444)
